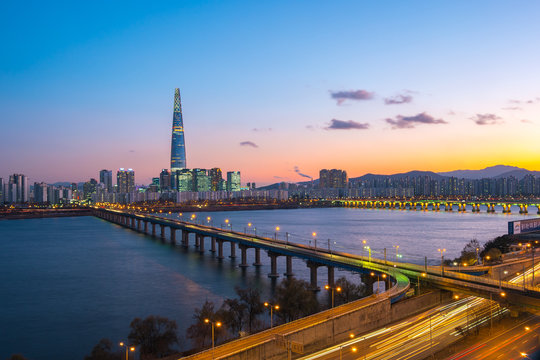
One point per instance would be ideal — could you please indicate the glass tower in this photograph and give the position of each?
(178, 147)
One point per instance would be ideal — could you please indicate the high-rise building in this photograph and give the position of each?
(1, 191)
(216, 178)
(125, 180)
(332, 179)
(18, 189)
(40, 192)
(184, 180)
(233, 181)
(165, 180)
(178, 147)
(105, 177)
(201, 181)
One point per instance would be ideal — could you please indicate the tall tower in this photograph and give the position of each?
(178, 146)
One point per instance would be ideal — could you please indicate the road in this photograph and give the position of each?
(511, 344)
(420, 336)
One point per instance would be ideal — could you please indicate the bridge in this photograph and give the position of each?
(437, 205)
(335, 325)
(400, 274)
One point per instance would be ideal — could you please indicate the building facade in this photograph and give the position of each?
(125, 180)
(178, 147)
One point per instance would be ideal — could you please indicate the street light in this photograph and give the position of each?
(397, 247)
(275, 234)
(128, 348)
(442, 251)
(369, 251)
(364, 242)
(379, 279)
(208, 219)
(315, 239)
(332, 289)
(272, 307)
(216, 324)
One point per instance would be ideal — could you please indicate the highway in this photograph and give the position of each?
(422, 335)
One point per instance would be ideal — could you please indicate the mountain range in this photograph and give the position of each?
(497, 171)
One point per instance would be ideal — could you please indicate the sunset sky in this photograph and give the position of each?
(267, 86)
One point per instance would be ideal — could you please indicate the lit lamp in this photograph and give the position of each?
(214, 324)
(272, 308)
(332, 289)
(128, 348)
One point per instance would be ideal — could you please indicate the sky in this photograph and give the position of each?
(273, 89)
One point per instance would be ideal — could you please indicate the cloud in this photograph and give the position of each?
(297, 170)
(261, 129)
(512, 108)
(341, 96)
(525, 121)
(346, 125)
(248, 143)
(486, 119)
(131, 151)
(531, 101)
(409, 122)
(398, 99)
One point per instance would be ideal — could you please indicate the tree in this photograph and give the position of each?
(469, 254)
(103, 351)
(201, 332)
(153, 335)
(251, 298)
(234, 313)
(295, 300)
(500, 242)
(349, 291)
(494, 255)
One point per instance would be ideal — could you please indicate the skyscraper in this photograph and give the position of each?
(125, 180)
(178, 147)
(215, 178)
(233, 181)
(105, 177)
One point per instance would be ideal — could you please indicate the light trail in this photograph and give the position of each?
(411, 339)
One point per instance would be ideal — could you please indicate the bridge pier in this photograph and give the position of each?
(257, 257)
(220, 249)
(173, 236)
(139, 225)
(146, 227)
(243, 250)
(331, 275)
(288, 271)
(133, 223)
(201, 243)
(313, 275)
(185, 238)
(197, 240)
(153, 229)
(233, 250)
(273, 265)
(212, 244)
(162, 232)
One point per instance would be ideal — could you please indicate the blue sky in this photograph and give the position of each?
(89, 85)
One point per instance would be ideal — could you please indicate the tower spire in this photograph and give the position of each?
(178, 147)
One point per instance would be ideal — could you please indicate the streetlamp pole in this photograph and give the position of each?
(442, 251)
(212, 323)
(272, 307)
(314, 239)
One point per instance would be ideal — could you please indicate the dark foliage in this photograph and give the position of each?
(104, 351)
(349, 291)
(153, 336)
(295, 300)
(251, 299)
(201, 332)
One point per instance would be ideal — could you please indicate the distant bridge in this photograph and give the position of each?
(437, 205)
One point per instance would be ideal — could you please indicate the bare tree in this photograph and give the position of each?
(154, 336)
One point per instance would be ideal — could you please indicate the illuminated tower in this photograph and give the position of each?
(178, 146)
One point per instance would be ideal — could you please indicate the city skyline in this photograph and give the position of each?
(289, 89)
